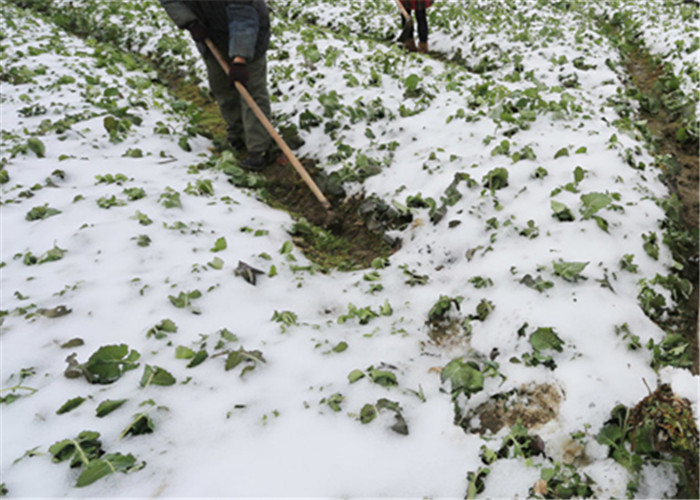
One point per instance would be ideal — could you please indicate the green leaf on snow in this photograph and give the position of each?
(108, 406)
(219, 245)
(546, 338)
(569, 271)
(101, 467)
(69, 405)
(109, 363)
(155, 375)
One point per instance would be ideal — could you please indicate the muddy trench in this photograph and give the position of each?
(680, 166)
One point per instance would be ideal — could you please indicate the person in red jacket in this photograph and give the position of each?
(419, 6)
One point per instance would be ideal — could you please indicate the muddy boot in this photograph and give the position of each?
(410, 45)
(423, 47)
(255, 162)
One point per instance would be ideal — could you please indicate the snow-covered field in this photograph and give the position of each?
(313, 384)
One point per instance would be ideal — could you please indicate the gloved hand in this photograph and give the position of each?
(198, 31)
(238, 72)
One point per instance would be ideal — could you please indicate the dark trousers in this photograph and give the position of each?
(241, 122)
(422, 21)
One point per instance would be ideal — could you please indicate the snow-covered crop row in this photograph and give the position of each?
(149, 301)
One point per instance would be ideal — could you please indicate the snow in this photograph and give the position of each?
(266, 433)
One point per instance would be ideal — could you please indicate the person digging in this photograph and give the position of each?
(407, 33)
(241, 30)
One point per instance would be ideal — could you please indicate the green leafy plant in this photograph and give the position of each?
(542, 339)
(106, 365)
(41, 212)
(334, 401)
(442, 308)
(109, 202)
(370, 411)
(483, 310)
(495, 179)
(564, 481)
(569, 271)
(250, 360)
(85, 451)
(155, 375)
(142, 423)
(519, 443)
(465, 377)
(70, 405)
(162, 329)
(108, 406)
(134, 193)
(143, 219)
(219, 245)
(170, 198)
(364, 315)
(184, 300)
(561, 212)
(475, 481)
(537, 283)
(651, 245)
(117, 179)
(287, 319)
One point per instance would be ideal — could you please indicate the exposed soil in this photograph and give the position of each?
(532, 406)
(645, 76)
(354, 245)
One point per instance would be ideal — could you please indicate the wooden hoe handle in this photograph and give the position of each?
(404, 12)
(271, 130)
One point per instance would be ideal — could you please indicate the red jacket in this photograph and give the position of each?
(416, 4)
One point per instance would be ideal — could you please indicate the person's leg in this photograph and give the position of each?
(258, 139)
(227, 99)
(407, 34)
(422, 20)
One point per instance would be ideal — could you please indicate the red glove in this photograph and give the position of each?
(238, 72)
(198, 31)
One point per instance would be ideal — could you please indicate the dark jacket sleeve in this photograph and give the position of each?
(244, 24)
(180, 13)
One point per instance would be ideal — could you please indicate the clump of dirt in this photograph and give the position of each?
(448, 334)
(531, 405)
(664, 423)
